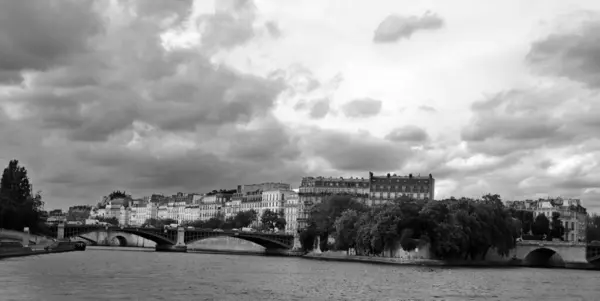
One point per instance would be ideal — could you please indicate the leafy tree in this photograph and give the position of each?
(271, 220)
(345, 229)
(244, 218)
(593, 228)
(117, 194)
(19, 208)
(323, 215)
(307, 237)
(214, 223)
(109, 220)
(541, 225)
(158, 223)
(558, 229)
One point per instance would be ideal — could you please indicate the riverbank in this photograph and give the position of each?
(437, 263)
(20, 251)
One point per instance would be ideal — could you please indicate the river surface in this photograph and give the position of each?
(147, 275)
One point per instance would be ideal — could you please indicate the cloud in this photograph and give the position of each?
(546, 130)
(407, 134)
(362, 108)
(320, 109)
(395, 27)
(151, 116)
(41, 35)
(317, 108)
(355, 152)
(572, 54)
(273, 29)
(94, 117)
(428, 109)
(531, 118)
(231, 24)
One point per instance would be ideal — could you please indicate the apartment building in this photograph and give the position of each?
(384, 189)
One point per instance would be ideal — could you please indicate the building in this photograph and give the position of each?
(290, 209)
(571, 214)
(374, 190)
(384, 189)
(313, 190)
(79, 213)
(56, 216)
(142, 210)
(264, 187)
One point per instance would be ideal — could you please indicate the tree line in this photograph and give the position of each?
(593, 228)
(453, 228)
(19, 206)
(270, 220)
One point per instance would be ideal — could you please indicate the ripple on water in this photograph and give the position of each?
(111, 275)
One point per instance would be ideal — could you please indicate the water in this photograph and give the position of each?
(147, 275)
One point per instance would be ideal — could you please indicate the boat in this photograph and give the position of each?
(80, 246)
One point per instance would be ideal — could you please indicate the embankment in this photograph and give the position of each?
(18, 250)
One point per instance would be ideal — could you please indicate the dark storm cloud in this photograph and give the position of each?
(96, 104)
(395, 27)
(570, 54)
(37, 35)
(356, 152)
(407, 134)
(81, 107)
(362, 108)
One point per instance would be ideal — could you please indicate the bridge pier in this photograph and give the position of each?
(60, 234)
(297, 245)
(26, 237)
(179, 246)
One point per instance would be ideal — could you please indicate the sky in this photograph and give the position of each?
(167, 96)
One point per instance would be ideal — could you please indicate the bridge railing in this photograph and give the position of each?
(551, 243)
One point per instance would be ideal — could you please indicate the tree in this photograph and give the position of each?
(593, 228)
(244, 218)
(323, 215)
(345, 230)
(271, 220)
(541, 225)
(117, 194)
(558, 229)
(157, 223)
(307, 237)
(109, 220)
(19, 208)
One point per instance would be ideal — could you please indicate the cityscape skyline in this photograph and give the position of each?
(191, 96)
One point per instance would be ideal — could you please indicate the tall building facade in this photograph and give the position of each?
(383, 189)
(290, 208)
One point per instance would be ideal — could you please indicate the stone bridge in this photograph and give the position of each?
(171, 239)
(552, 253)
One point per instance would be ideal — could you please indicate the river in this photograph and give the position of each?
(148, 275)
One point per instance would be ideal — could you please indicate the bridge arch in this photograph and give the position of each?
(118, 240)
(149, 235)
(544, 257)
(266, 242)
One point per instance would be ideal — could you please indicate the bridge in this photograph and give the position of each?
(175, 239)
(557, 253)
